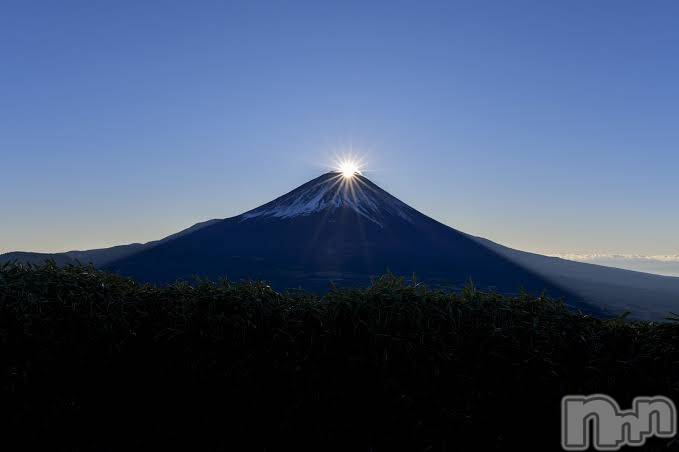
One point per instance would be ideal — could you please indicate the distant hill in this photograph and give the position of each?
(97, 257)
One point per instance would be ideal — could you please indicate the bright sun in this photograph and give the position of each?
(349, 168)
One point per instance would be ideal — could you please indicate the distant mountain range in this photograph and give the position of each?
(97, 257)
(344, 231)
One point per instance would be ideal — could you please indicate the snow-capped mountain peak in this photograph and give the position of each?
(334, 191)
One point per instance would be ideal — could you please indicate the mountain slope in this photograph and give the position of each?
(332, 230)
(97, 257)
(644, 295)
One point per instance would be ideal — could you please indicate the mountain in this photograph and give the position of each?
(345, 231)
(333, 229)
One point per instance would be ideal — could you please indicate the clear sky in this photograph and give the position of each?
(548, 126)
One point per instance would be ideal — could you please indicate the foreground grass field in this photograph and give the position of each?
(91, 361)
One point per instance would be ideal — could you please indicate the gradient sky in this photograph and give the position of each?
(546, 126)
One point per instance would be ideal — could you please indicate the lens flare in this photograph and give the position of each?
(349, 168)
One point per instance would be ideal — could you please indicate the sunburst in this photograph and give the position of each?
(348, 166)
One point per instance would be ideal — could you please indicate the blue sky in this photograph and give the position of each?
(547, 126)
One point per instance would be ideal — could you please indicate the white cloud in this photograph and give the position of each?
(584, 257)
(663, 264)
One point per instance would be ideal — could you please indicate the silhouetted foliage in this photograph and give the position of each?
(92, 361)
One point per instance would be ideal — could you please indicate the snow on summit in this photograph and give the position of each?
(333, 191)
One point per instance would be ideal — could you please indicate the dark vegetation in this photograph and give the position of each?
(92, 361)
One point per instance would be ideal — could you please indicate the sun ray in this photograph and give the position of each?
(348, 167)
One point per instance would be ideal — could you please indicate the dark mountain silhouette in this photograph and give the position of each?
(345, 231)
(332, 229)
